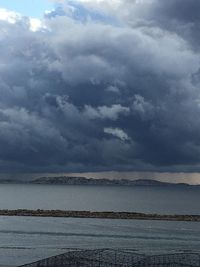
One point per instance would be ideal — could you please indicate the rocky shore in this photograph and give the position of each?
(99, 215)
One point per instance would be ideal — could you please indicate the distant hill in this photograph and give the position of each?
(68, 180)
(65, 180)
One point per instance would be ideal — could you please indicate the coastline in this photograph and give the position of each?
(99, 215)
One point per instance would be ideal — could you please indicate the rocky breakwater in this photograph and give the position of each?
(98, 215)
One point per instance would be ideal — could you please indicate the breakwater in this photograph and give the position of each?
(99, 215)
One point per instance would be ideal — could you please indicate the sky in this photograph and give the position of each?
(99, 86)
(32, 8)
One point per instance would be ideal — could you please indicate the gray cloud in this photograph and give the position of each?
(105, 112)
(179, 17)
(119, 133)
(92, 95)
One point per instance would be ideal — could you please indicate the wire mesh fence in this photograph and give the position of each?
(117, 258)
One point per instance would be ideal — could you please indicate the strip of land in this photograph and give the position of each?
(99, 215)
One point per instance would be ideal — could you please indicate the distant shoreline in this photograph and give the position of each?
(67, 180)
(99, 215)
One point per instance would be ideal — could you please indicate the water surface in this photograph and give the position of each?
(165, 200)
(27, 239)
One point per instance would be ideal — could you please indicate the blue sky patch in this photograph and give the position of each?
(34, 8)
(81, 13)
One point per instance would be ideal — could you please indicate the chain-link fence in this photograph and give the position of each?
(118, 258)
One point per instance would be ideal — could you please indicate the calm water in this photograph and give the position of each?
(180, 200)
(27, 239)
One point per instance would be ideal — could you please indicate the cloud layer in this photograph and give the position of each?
(98, 87)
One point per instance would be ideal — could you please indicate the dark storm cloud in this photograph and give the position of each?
(176, 16)
(182, 17)
(90, 95)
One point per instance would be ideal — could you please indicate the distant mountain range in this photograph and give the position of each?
(66, 180)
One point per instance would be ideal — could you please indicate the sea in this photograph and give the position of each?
(27, 239)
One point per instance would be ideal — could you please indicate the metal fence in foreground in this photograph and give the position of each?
(117, 258)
